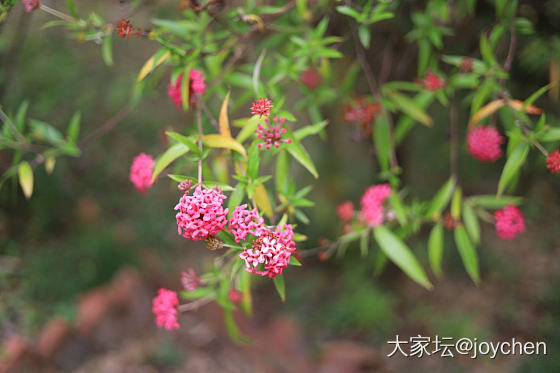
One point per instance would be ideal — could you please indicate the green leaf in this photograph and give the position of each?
(364, 243)
(107, 50)
(254, 160)
(401, 255)
(74, 127)
(280, 287)
(456, 203)
(435, 248)
(168, 157)
(20, 116)
(45, 132)
(282, 170)
(71, 8)
(398, 207)
(236, 197)
(25, 174)
(245, 286)
(410, 108)
(528, 102)
(248, 129)
(491, 201)
(187, 141)
(348, 11)
(441, 199)
(552, 135)
(382, 141)
(471, 223)
(300, 154)
(221, 141)
(468, 253)
(314, 129)
(512, 166)
(486, 51)
(364, 36)
(257, 72)
(294, 261)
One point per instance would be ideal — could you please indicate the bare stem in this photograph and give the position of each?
(191, 306)
(57, 13)
(200, 134)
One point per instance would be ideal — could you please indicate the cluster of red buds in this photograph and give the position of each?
(126, 30)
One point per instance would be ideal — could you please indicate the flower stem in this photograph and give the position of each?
(57, 13)
(200, 134)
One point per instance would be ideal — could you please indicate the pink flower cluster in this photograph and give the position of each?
(261, 107)
(164, 307)
(196, 87)
(345, 211)
(270, 252)
(372, 204)
(272, 133)
(483, 143)
(244, 222)
(202, 214)
(141, 172)
(509, 222)
(432, 82)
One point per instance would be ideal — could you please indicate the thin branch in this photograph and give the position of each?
(192, 306)
(454, 148)
(209, 114)
(200, 134)
(374, 88)
(107, 126)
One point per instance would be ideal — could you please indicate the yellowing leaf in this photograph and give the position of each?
(49, 164)
(261, 198)
(221, 141)
(25, 174)
(151, 64)
(224, 122)
(493, 106)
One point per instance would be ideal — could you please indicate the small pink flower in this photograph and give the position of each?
(202, 214)
(196, 87)
(345, 211)
(272, 134)
(286, 236)
(372, 204)
(269, 255)
(261, 107)
(509, 222)
(483, 143)
(164, 307)
(244, 222)
(31, 5)
(310, 78)
(432, 82)
(141, 172)
(190, 280)
(553, 162)
(235, 296)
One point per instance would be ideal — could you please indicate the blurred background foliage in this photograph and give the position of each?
(85, 220)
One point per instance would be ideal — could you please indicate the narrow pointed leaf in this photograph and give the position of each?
(25, 174)
(168, 157)
(435, 248)
(468, 253)
(401, 255)
(221, 141)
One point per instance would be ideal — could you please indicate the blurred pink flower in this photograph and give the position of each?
(244, 222)
(141, 172)
(164, 307)
(31, 5)
(235, 296)
(196, 87)
(553, 162)
(202, 214)
(432, 82)
(483, 143)
(190, 280)
(345, 211)
(372, 204)
(509, 222)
